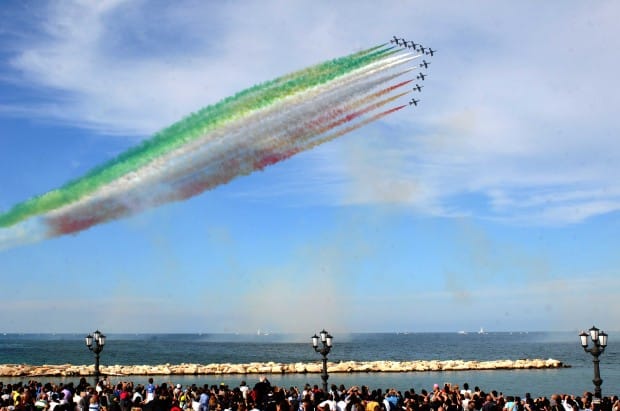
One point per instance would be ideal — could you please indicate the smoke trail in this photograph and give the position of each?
(248, 131)
(276, 123)
(273, 123)
(192, 127)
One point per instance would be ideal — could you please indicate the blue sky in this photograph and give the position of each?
(493, 204)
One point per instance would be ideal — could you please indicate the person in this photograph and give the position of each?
(341, 405)
(372, 404)
(489, 403)
(262, 389)
(204, 399)
(82, 385)
(556, 403)
(41, 404)
(509, 405)
(354, 402)
(466, 399)
(67, 395)
(161, 400)
(195, 403)
(327, 405)
(391, 400)
(114, 404)
(25, 401)
(137, 396)
(283, 405)
(243, 387)
(184, 399)
(150, 390)
(54, 401)
(83, 401)
(465, 389)
(178, 390)
(125, 399)
(175, 406)
(306, 404)
(93, 403)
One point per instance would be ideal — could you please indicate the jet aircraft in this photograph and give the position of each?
(417, 87)
(397, 41)
(422, 48)
(421, 76)
(431, 52)
(424, 64)
(414, 102)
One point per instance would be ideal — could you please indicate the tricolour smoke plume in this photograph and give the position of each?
(248, 131)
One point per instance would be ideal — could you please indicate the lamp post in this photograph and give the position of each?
(599, 341)
(95, 343)
(326, 346)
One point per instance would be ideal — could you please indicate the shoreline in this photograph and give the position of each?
(71, 370)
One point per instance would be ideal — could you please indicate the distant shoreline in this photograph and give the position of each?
(70, 370)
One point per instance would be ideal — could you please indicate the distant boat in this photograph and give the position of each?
(482, 331)
(462, 332)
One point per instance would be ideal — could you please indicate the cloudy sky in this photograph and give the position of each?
(493, 204)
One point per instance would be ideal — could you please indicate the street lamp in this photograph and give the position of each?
(99, 341)
(326, 346)
(599, 340)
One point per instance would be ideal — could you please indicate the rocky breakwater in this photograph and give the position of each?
(69, 370)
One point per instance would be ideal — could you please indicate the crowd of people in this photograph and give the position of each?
(263, 396)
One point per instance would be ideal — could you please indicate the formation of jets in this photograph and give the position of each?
(427, 51)
(412, 45)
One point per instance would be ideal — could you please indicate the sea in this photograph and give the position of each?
(202, 348)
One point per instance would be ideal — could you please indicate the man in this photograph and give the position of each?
(150, 391)
(84, 400)
(489, 404)
(262, 389)
(465, 389)
(243, 387)
(204, 400)
(391, 400)
(327, 405)
(556, 403)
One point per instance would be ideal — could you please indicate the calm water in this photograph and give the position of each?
(218, 348)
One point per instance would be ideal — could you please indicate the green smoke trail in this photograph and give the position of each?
(192, 127)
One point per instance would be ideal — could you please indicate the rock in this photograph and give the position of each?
(69, 370)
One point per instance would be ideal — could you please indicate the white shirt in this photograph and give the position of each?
(331, 403)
